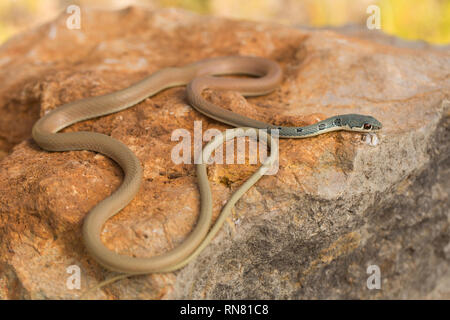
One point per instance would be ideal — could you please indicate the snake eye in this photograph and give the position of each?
(367, 126)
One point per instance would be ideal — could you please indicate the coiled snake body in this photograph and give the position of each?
(198, 76)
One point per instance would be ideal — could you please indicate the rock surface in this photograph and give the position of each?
(336, 206)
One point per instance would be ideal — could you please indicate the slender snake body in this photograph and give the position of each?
(198, 76)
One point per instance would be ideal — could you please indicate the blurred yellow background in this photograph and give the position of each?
(427, 20)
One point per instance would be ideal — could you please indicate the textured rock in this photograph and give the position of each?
(336, 206)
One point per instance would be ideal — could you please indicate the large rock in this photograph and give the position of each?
(337, 205)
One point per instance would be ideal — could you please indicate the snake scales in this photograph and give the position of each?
(198, 76)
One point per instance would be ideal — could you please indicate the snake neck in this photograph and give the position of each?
(347, 122)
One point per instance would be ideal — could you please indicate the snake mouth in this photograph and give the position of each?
(365, 129)
(375, 128)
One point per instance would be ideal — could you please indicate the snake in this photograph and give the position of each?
(263, 76)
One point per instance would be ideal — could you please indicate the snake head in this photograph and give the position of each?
(362, 123)
(371, 124)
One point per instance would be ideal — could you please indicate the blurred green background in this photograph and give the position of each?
(427, 20)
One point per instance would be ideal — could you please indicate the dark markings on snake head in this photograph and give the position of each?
(338, 122)
(322, 126)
